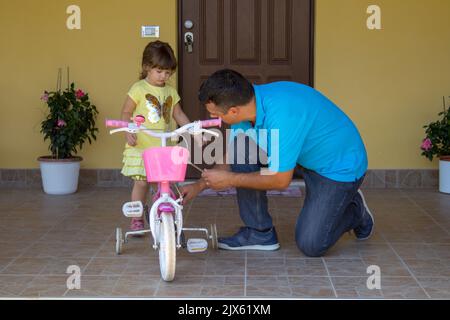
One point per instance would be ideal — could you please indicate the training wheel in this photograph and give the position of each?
(214, 240)
(119, 240)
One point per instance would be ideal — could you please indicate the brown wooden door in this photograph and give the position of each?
(265, 40)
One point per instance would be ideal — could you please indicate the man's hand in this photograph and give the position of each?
(190, 191)
(218, 179)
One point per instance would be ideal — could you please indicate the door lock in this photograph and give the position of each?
(189, 41)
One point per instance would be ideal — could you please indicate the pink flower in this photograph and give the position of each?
(61, 123)
(426, 144)
(44, 97)
(79, 94)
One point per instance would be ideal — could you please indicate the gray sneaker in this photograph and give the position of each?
(365, 230)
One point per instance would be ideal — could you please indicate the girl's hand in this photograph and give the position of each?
(127, 114)
(131, 139)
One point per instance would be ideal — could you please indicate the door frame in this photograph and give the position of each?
(180, 44)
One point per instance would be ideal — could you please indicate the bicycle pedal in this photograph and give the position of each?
(197, 245)
(133, 209)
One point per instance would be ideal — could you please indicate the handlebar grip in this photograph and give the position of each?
(116, 123)
(211, 123)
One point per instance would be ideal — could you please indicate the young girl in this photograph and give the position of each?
(158, 102)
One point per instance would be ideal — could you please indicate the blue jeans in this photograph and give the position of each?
(330, 209)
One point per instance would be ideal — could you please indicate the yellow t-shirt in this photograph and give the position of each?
(156, 105)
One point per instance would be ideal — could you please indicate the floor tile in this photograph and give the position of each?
(346, 267)
(26, 266)
(269, 291)
(422, 251)
(429, 267)
(354, 287)
(136, 286)
(437, 288)
(12, 286)
(178, 291)
(222, 292)
(402, 288)
(95, 286)
(46, 287)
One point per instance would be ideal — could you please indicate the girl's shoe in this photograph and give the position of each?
(137, 224)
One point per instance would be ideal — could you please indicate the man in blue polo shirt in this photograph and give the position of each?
(296, 125)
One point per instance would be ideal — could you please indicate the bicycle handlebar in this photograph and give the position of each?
(211, 123)
(116, 123)
(193, 128)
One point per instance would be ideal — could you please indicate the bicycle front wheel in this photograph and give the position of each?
(167, 247)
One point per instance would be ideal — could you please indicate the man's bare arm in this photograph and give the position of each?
(260, 181)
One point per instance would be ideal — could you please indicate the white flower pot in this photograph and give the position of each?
(60, 176)
(444, 174)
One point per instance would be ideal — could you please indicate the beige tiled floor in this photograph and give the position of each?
(41, 235)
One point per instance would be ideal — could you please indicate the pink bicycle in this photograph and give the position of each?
(166, 166)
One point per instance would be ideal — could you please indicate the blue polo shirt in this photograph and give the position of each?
(306, 128)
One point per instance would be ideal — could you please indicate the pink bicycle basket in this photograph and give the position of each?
(165, 163)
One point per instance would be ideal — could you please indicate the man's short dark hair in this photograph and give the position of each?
(226, 88)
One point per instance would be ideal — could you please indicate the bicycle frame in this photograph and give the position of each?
(166, 196)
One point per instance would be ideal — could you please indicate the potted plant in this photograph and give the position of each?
(69, 123)
(437, 144)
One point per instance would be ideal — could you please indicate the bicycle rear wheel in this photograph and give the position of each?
(167, 247)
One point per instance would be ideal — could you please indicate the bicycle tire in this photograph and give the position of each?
(167, 247)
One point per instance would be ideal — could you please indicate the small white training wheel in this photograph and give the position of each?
(119, 240)
(214, 240)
